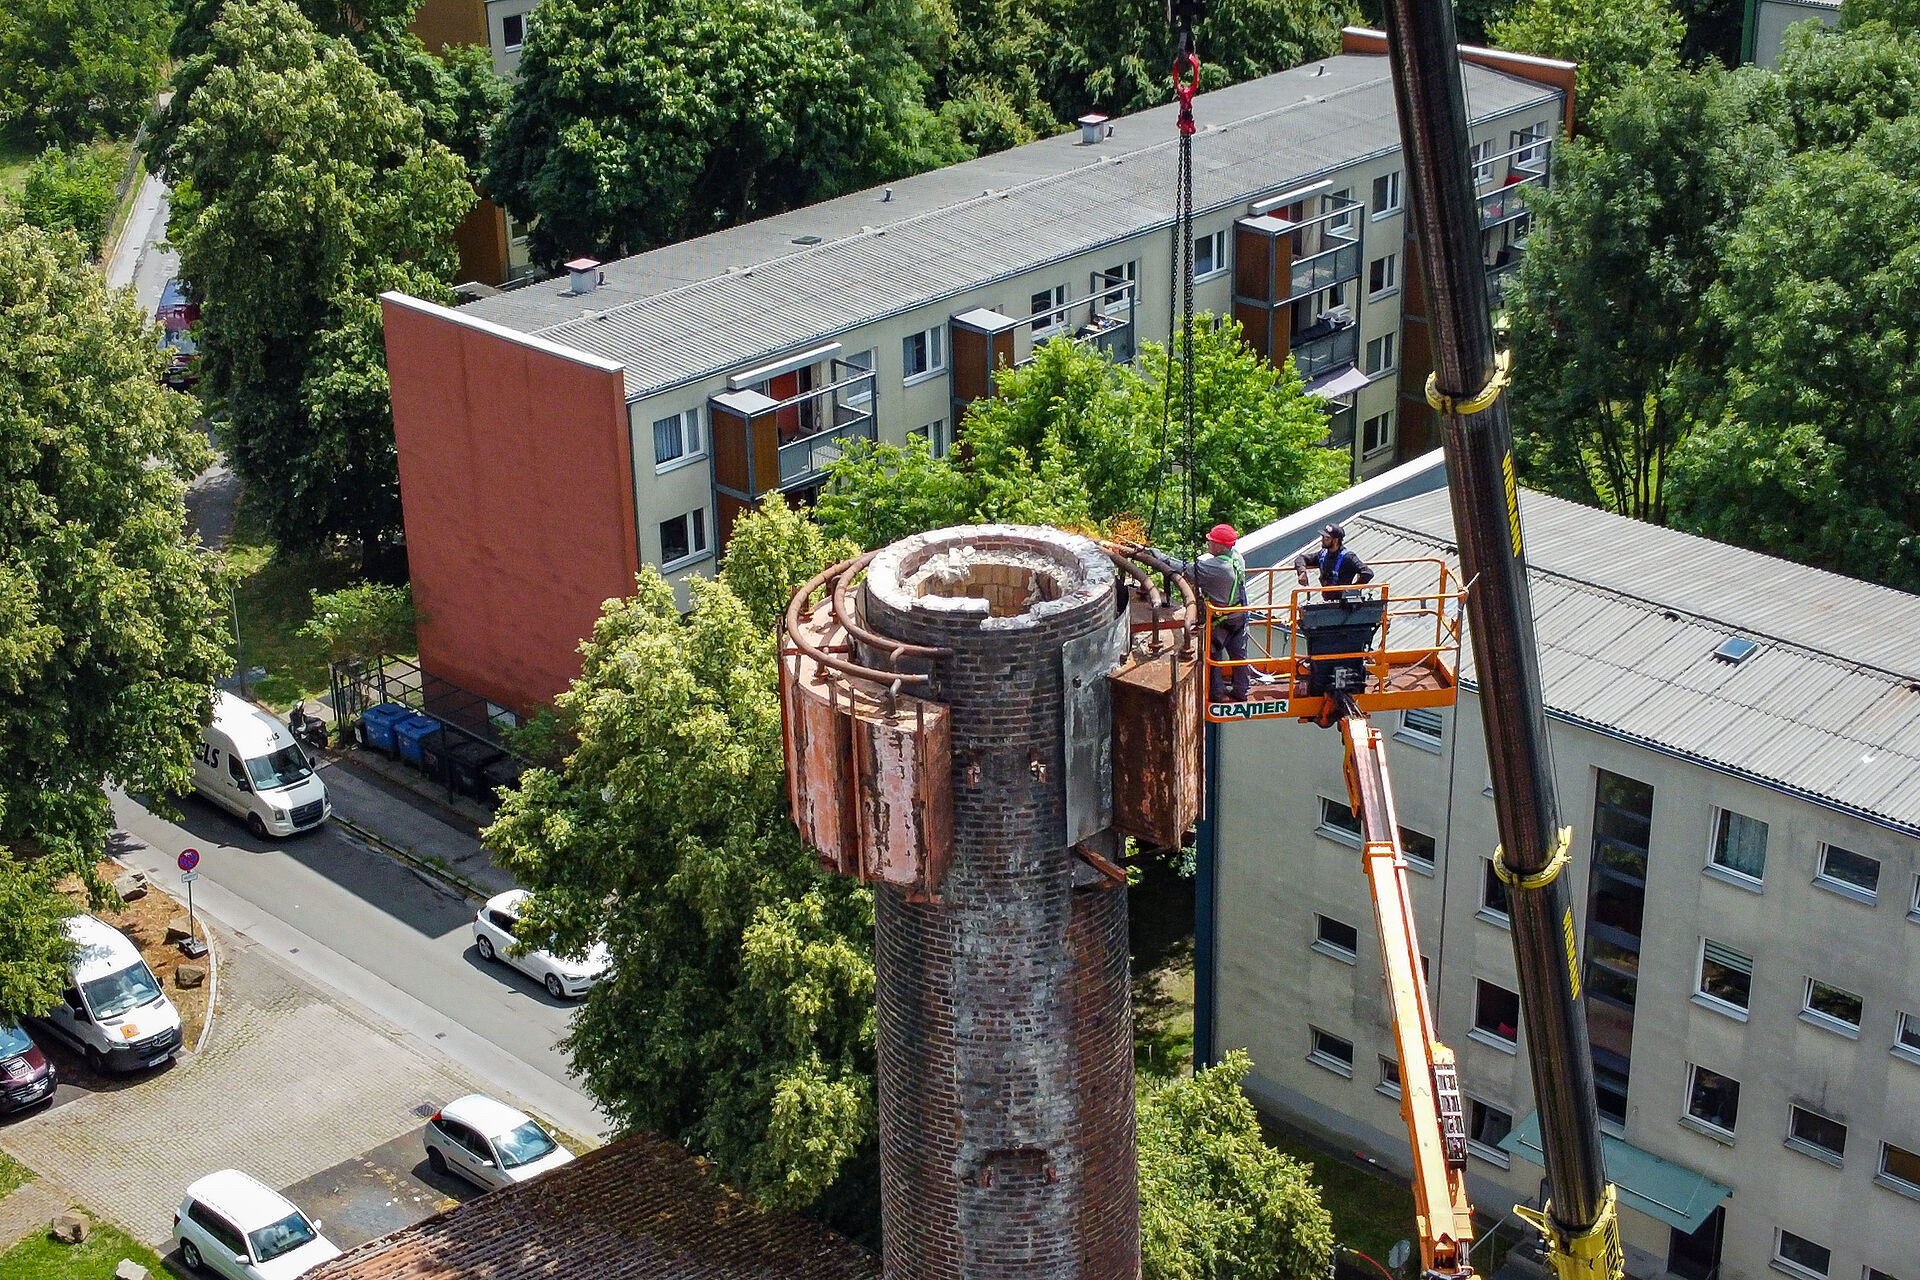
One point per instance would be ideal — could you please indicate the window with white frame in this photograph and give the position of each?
(1487, 1126)
(923, 354)
(1811, 1133)
(1383, 275)
(1389, 1077)
(1713, 1100)
(1423, 723)
(1380, 354)
(1210, 254)
(1799, 1255)
(1496, 1012)
(1331, 1052)
(1338, 819)
(513, 31)
(1386, 194)
(1045, 309)
(1419, 848)
(1725, 979)
(683, 538)
(1482, 162)
(1112, 282)
(1343, 201)
(1834, 1008)
(1901, 1167)
(676, 437)
(1336, 937)
(1875, 1273)
(1376, 434)
(1493, 893)
(857, 363)
(935, 434)
(1851, 874)
(1740, 845)
(1906, 1036)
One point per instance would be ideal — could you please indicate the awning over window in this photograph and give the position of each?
(1658, 1188)
(1333, 385)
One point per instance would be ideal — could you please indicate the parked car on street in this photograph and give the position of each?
(113, 1010)
(177, 314)
(248, 763)
(26, 1077)
(490, 1144)
(494, 937)
(233, 1225)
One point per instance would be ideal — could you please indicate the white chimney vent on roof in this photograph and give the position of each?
(586, 274)
(1091, 128)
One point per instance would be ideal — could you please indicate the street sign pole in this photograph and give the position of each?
(188, 860)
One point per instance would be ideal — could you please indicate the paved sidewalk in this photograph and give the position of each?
(412, 830)
(294, 1081)
(29, 1209)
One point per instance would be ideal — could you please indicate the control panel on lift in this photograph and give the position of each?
(1391, 644)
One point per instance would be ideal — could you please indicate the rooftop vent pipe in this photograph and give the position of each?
(587, 275)
(1092, 128)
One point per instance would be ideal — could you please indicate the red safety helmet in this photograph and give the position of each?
(1223, 534)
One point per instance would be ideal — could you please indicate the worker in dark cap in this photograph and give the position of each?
(1338, 566)
(1221, 576)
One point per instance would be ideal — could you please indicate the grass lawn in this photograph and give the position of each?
(13, 1174)
(15, 155)
(274, 604)
(1370, 1212)
(41, 1257)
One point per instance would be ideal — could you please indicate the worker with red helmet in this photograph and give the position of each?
(1221, 576)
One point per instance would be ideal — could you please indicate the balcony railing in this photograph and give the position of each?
(1340, 424)
(808, 455)
(1321, 348)
(1325, 269)
(1498, 278)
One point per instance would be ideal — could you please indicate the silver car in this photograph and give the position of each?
(490, 1144)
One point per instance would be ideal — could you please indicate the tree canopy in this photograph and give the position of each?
(304, 186)
(73, 70)
(111, 632)
(1613, 41)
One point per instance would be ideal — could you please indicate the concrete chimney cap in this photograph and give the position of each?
(583, 264)
(1009, 577)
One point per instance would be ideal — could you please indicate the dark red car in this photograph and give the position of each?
(26, 1077)
(177, 314)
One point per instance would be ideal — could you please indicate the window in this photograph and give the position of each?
(1740, 845)
(1800, 1255)
(857, 363)
(1045, 307)
(1386, 194)
(1210, 254)
(935, 434)
(1530, 146)
(513, 30)
(1337, 938)
(223, 1232)
(1337, 819)
(1906, 1036)
(1875, 1273)
(1482, 162)
(1486, 1126)
(1389, 1077)
(1418, 847)
(1380, 354)
(236, 770)
(1831, 1007)
(1383, 274)
(677, 436)
(1713, 1100)
(1897, 1164)
(683, 537)
(1493, 892)
(1376, 434)
(1343, 201)
(923, 354)
(1331, 1052)
(1819, 1136)
(1849, 873)
(1496, 1013)
(1422, 723)
(1726, 976)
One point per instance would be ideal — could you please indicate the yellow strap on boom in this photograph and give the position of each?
(1478, 403)
(1562, 854)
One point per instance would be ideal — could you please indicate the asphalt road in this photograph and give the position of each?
(379, 932)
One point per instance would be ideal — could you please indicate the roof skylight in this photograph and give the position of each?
(1735, 649)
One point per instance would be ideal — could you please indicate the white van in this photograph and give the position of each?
(249, 763)
(114, 1011)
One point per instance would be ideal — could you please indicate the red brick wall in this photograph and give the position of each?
(517, 484)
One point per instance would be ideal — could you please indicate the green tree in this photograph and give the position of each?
(110, 628)
(71, 191)
(1615, 358)
(772, 554)
(1835, 85)
(304, 186)
(1817, 457)
(738, 1017)
(1215, 1200)
(365, 620)
(1614, 41)
(635, 123)
(72, 70)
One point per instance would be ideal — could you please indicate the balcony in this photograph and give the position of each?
(1324, 346)
(802, 459)
(1498, 277)
(1526, 166)
(1329, 267)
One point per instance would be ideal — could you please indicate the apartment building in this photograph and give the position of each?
(554, 438)
(1736, 743)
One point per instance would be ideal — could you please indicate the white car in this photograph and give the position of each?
(233, 1225)
(493, 938)
(489, 1143)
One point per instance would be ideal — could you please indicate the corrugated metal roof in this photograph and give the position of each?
(712, 304)
(1627, 616)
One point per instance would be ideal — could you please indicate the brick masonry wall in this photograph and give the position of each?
(1005, 1027)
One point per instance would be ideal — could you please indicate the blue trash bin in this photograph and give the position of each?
(408, 734)
(377, 722)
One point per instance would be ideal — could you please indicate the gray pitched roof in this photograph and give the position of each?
(709, 305)
(1627, 616)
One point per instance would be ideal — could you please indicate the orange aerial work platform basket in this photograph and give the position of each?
(1391, 644)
